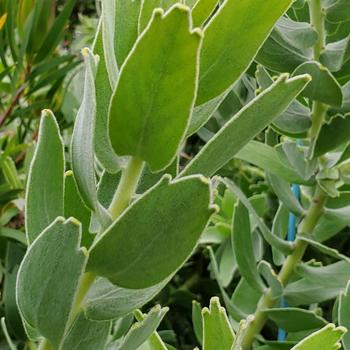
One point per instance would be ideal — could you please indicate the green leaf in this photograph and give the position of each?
(153, 128)
(271, 278)
(287, 46)
(44, 196)
(243, 247)
(74, 207)
(103, 147)
(344, 314)
(336, 54)
(245, 125)
(126, 27)
(267, 158)
(106, 301)
(202, 10)
(86, 334)
(279, 228)
(338, 10)
(273, 240)
(217, 331)
(148, 8)
(141, 258)
(197, 321)
(232, 38)
(294, 319)
(56, 32)
(323, 87)
(82, 146)
(332, 134)
(108, 35)
(141, 331)
(326, 338)
(43, 272)
(284, 193)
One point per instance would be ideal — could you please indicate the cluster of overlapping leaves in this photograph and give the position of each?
(107, 235)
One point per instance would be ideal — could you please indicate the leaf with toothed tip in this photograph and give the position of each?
(323, 87)
(344, 314)
(44, 197)
(145, 120)
(245, 125)
(163, 227)
(43, 272)
(327, 338)
(232, 39)
(217, 331)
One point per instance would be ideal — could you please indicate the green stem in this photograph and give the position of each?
(127, 186)
(318, 114)
(267, 301)
(317, 16)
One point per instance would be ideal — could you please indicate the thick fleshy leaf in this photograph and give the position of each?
(336, 54)
(86, 334)
(82, 146)
(103, 148)
(44, 196)
(288, 46)
(326, 338)
(338, 10)
(106, 301)
(142, 258)
(75, 207)
(242, 244)
(344, 315)
(284, 193)
(43, 272)
(232, 39)
(147, 11)
(142, 330)
(294, 319)
(202, 10)
(153, 128)
(323, 86)
(332, 134)
(217, 331)
(267, 158)
(126, 27)
(245, 125)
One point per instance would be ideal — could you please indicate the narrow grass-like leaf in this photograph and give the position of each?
(327, 338)
(245, 125)
(344, 315)
(232, 39)
(243, 247)
(44, 197)
(217, 331)
(153, 128)
(43, 272)
(142, 258)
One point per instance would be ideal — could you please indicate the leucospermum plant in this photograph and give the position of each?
(110, 222)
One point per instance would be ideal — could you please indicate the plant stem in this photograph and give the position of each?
(317, 16)
(318, 114)
(127, 186)
(267, 301)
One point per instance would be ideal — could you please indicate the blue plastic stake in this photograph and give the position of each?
(292, 220)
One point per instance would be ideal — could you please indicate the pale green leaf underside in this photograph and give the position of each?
(44, 197)
(44, 303)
